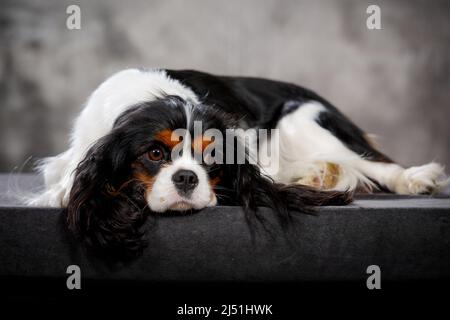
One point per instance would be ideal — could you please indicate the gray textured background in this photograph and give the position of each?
(393, 82)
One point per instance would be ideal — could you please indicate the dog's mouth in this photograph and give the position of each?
(181, 205)
(177, 203)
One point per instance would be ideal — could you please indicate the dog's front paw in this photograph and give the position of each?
(426, 179)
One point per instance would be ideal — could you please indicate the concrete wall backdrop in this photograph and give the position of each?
(393, 82)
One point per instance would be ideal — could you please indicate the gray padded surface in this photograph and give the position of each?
(408, 237)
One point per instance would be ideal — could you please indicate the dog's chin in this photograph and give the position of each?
(181, 206)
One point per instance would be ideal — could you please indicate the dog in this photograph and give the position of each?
(130, 157)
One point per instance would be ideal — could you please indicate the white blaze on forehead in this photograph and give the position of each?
(186, 144)
(188, 109)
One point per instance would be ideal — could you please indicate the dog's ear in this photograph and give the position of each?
(106, 208)
(253, 189)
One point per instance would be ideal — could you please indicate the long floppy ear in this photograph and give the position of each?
(105, 208)
(254, 189)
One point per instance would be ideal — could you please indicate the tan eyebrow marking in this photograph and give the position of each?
(166, 136)
(200, 144)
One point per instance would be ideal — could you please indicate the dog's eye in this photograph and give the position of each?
(155, 154)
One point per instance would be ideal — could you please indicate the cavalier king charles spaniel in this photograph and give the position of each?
(152, 141)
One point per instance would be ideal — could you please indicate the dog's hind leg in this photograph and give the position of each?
(425, 179)
(322, 148)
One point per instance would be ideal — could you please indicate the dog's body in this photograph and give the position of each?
(319, 146)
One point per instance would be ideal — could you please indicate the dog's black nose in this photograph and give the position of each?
(185, 181)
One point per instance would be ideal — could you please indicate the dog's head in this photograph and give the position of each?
(168, 155)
